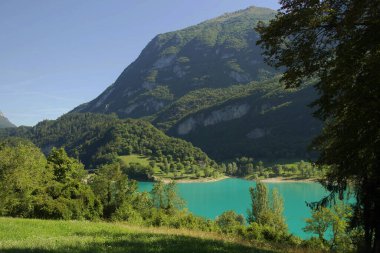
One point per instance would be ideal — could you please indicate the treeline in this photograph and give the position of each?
(247, 167)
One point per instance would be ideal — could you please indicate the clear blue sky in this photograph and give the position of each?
(57, 54)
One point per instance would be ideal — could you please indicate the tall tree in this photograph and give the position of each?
(337, 44)
(259, 204)
(267, 208)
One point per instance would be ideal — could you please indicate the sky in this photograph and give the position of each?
(57, 54)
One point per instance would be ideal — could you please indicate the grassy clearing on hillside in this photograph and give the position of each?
(26, 235)
(143, 160)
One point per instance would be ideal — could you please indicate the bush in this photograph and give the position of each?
(229, 222)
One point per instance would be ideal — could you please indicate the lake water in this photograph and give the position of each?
(211, 199)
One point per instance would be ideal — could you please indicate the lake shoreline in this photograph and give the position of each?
(212, 180)
(288, 180)
(198, 180)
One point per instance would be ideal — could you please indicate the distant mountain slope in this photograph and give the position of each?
(208, 84)
(4, 122)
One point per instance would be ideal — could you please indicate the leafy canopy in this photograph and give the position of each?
(337, 43)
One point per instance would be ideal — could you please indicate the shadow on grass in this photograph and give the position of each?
(140, 242)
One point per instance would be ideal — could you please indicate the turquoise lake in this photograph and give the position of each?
(211, 199)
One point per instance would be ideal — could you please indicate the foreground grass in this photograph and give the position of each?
(27, 235)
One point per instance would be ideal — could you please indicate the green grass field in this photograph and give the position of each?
(27, 235)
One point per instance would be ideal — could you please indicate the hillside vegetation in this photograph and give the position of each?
(98, 139)
(58, 187)
(208, 84)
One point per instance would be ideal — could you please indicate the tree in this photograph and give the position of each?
(23, 176)
(68, 195)
(337, 220)
(260, 204)
(34, 187)
(165, 197)
(267, 209)
(336, 44)
(65, 168)
(112, 188)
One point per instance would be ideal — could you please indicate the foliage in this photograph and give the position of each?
(22, 177)
(33, 186)
(68, 196)
(160, 92)
(100, 139)
(112, 188)
(230, 222)
(267, 212)
(60, 188)
(139, 172)
(337, 42)
(247, 167)
(335, 219)
(164, 197)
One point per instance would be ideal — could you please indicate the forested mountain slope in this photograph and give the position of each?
(209, 85)
(99, 139)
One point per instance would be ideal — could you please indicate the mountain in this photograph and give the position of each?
(4, 122)
(208, 84)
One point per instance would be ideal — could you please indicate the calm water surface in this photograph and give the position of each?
(211, 199)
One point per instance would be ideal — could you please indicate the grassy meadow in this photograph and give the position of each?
(29, 235)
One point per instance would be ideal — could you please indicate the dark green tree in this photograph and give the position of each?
(337, 45)
(68, 194)
(112, 187)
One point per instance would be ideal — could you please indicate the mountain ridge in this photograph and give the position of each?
(4, 121)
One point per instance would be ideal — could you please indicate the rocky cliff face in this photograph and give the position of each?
(227, 113)
(208, 84)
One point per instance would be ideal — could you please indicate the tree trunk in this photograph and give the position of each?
(376, 246)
